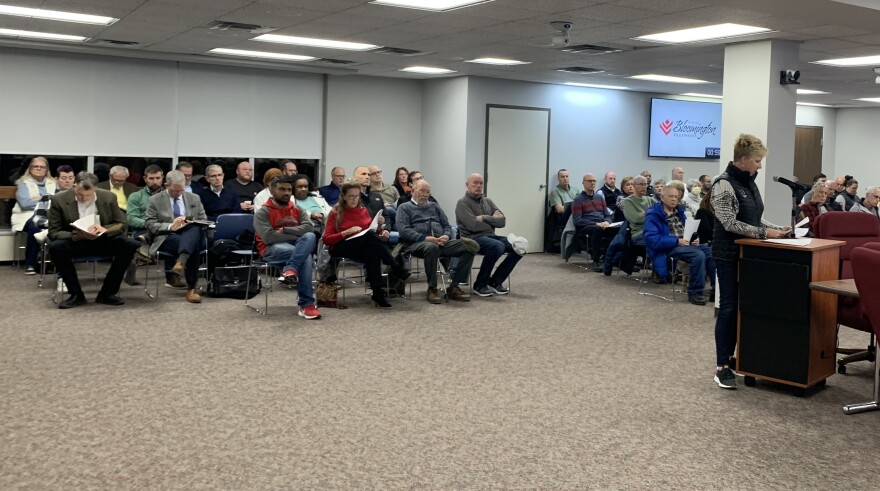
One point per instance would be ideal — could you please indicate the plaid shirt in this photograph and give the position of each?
(676, 228)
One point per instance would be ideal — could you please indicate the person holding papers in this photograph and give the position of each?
(667, 236)
(738, 214)
(349, 233)
(590, 212)
(87, 221)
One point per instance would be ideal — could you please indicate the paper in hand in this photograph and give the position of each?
(802, 222)
(374, 226)
(690, 228)
(86, 222)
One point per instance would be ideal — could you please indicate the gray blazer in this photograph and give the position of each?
(159, 215)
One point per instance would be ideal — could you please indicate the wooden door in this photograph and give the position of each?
(807, 152)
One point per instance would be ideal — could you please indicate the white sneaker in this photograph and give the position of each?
(62, 288)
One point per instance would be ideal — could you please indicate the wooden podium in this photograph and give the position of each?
(787, 333)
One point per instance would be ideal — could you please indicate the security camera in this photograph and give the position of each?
(561, 26)
(565, 41)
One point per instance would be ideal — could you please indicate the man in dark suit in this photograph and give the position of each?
(187, 169)
(168, 220)
(104, 238)
(118, 184)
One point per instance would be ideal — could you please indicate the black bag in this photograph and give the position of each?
(232, 282)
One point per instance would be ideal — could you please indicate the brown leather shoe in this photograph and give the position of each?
(192, 296)
(434, 296)
(457, 293)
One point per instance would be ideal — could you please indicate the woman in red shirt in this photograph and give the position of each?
(349, 218)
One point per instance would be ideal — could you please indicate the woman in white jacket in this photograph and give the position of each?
(36, 185)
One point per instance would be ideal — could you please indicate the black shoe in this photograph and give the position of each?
(696, 298)
(114, 300)
(72, 301)
(379, 301)
(403, 274)
(598, 267)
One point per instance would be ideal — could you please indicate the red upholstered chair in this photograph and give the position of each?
(866, 264)
(856, 229)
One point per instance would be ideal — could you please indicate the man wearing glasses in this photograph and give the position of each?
(869, 203)
(216, 198)
(330, 192)
(589, 214)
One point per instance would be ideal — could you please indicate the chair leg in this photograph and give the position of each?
(870, 405)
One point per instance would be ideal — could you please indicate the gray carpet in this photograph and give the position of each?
(573, 381)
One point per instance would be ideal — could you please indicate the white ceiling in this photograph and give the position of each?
(169, 29)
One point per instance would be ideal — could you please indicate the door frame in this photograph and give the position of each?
(486, 145)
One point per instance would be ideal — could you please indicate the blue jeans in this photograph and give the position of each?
(725, 324)
(699, 260)
(296, 255)
(31, 247)
(615, 250)
(493, 247)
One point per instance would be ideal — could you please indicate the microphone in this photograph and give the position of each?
(792, 184)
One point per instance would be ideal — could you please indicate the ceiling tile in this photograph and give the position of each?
(668, 6)
(613, 13)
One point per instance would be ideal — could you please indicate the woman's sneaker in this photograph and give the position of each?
(30, 270)
(725, 378)
(498, 289)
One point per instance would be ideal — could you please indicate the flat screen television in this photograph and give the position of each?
(685, 129)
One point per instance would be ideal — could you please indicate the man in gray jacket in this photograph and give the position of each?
(477, 218)
(425, 230)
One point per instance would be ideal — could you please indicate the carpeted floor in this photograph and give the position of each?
(574, 381)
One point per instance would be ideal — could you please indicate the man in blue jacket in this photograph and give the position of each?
(664, 230)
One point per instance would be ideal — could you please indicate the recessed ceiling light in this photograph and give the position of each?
(434, 5)
(810, 92)
(498, 61)
(317, 43)
(597, 86)
(813, 104)
(667, 78)
(869, 99)
(261, 54)
(56, 15)
(705, 33)
(41, 35)
(858, 61)
(426, 70)
(710, 96)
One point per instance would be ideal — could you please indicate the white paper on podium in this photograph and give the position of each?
(374, 225)
(690, 228)
(794, 242)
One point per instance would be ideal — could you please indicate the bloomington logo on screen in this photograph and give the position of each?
(688, 129)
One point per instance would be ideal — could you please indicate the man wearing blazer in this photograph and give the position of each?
(119, 185)
(105, 238)
(166, 220)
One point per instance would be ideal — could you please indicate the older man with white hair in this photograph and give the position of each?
(118, 184)
(869, 203)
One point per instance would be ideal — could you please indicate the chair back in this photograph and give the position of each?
(856, 229)
(231, 225)
(866, 262)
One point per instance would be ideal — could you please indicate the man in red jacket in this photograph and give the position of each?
(285, 238)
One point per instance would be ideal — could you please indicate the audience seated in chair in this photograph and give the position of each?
(284, 237)
(330, 192)
(868, 204)
(183, 241)
(817, 206)
(118, 184)
(187, 169)
(265, 194)
(105, 238)
(478, 217)
(33, 190)
(590, 214)
(633, 207)
(609, 192)
(664, 229)
(311, 201)
(217, 198)
(425, 231)
(244, 186)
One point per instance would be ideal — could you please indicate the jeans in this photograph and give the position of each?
(493, 247)
(699, 260)
(432, 253)
(725, 324)
(296, 255)
(615, 250)
(31, 246)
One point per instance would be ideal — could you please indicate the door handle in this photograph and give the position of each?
(542, 186)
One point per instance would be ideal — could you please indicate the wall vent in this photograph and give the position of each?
(112, 42)
(222, 25)
(579, 70)
(590, 49)
(388, 50)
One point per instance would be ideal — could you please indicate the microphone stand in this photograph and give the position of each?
(794, 209)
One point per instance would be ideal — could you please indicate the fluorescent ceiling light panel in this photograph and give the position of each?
(870, 99)
(433, 5)
(710, 96)
(41, 35)
(813, 104)
(498, 61)
(810, 92)
(261, 54)
(705, 33)
(858, 61)
(597, 86)
(314, 42)
(56, 15)
(666, 78)
(427, 70)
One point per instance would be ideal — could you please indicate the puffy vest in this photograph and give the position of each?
(751, 209)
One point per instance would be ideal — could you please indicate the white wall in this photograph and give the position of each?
(444, 139)
(591, 130)
(858, 145)
(826, 118)
(373, 121)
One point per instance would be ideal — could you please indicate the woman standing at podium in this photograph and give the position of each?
(738, 214)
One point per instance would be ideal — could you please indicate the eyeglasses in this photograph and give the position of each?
(352, 196)
(375, 173)
(339, 176)
(589, 180)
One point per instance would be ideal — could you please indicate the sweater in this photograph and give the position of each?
(588, 209)
(415, 222)
(634, 209)
(137, 208)
(291, 219)
(353, 217)
(226, 202)
(469, 208)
